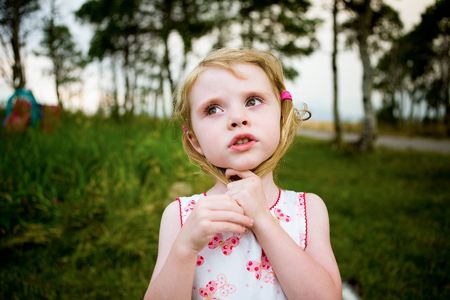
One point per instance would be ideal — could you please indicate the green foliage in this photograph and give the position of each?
(80, 209)
(279, 26)
(13, 15)
(388, 215)
(415, 69)
(67, 60)
(371, 22)
(138, 36)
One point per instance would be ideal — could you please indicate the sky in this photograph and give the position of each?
(313, 87)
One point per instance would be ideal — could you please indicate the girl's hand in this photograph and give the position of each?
(248, 192)
(212, 215)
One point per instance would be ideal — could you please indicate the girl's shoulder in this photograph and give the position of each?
(312, 200)
(313, 208)
(318, 222)
(316, 206)
(182, 207)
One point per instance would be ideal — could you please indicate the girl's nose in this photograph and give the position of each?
(238, 120)
(236, 124)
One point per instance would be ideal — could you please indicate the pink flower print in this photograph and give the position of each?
(190, 207)
(263, 270)
(254, 266)
(209, 290)
(269, 277)
(226, 245)
(265, 264)
(220, 284)
(281, 216)
(215, 241)
(224, 287)
(200, 260)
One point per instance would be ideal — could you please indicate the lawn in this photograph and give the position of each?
(80, 210)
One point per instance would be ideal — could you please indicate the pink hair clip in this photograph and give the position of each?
(185, 129)
(286, 96)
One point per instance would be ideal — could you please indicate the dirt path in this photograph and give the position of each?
(388, 141)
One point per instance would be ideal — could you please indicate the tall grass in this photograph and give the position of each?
(389, 216)
(80, 210)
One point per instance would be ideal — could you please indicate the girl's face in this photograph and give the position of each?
(236, 120)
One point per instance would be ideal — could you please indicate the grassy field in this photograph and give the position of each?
(80, 210)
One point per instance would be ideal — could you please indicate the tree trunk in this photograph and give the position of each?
(155, 103)
(17, 68)
(161, 95)
(337, 120)
(126, 71)
(58, 94)
(368, 134)
(168, 73)
(411, 109)
(116, 107)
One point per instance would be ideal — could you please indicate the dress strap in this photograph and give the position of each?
(186, 205)
(302, 205)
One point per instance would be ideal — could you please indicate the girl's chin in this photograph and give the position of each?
(240, 167)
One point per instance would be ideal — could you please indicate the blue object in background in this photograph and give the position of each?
(25, 95)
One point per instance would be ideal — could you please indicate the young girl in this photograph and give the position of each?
(245, 238)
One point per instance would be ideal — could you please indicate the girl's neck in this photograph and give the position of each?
(270, 188)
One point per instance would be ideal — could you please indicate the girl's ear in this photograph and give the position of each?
(194, 142)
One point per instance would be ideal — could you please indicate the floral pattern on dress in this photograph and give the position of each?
(263, 269)
(226, 245)
(189, 207)
(281, 216)
(240, 257)
(219, 285)
(200, 260)
(301, 211)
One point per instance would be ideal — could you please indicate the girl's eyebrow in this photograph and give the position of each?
(218, 100)
(203, 105)
(264, 93)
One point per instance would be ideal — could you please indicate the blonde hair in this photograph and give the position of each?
(227, 58)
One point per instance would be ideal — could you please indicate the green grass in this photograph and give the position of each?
(388, 213)
(80, 210)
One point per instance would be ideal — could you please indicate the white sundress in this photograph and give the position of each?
(234, 266)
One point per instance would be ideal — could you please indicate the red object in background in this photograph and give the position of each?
(20, 117)
(50, 115)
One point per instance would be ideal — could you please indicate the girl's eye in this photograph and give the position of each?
(213, 109)
(253, 101)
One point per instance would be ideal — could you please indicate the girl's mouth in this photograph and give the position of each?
(242, 142)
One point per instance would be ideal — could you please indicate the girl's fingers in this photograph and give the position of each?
(247, 177)
(228, 216)
(222, 203)
(227, 227)
(242, 174)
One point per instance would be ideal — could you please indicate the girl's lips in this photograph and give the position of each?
(242, 147)
(237, 145)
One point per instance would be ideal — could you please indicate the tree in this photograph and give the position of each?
(279, 26)
(12, 35)
(416, 68)
(432, 66)
(140, 31)
(116, 28)
(58, 45)
(337, 120)
(371, 23)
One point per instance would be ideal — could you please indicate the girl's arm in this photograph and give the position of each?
(309, 274)
(173, 264)
(178, 248)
